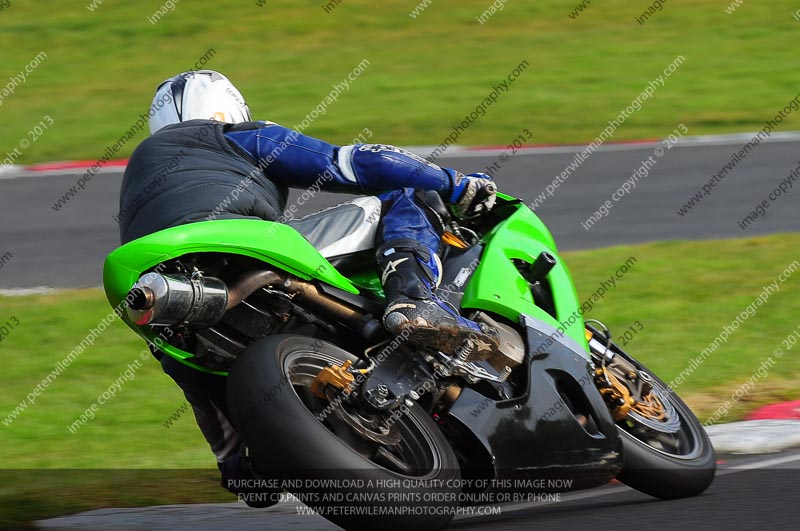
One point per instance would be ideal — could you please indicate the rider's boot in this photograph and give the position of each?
(409, 274)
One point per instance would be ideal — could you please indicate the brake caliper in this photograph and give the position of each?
(337, 376)
(615, 393)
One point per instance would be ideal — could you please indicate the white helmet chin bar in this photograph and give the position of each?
(201, 94)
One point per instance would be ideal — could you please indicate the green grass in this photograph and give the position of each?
(127, 431)
(424, 74)
(683, 293)
(30, 495)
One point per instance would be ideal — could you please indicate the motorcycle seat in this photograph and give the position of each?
(344, 234)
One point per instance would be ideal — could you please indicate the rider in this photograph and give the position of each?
(206, 159)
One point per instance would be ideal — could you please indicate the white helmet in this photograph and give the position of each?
(201, 94)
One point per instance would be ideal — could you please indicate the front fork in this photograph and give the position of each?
(615, 392)
(628, 390)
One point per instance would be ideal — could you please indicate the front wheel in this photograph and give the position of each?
(358, 469)
(666, 451)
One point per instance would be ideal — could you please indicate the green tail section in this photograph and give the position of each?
(274, 243)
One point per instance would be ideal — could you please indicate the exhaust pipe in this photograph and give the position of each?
(248, 283)
(366, 325)
(171, 299)
(158, 299)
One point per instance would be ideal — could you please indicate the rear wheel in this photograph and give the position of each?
(358, 469)
(666, 451)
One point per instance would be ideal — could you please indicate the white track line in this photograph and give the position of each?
(760, 464)
(24, 292)
(737, 139)
(622, 488)
(17, 172)
(20, 172)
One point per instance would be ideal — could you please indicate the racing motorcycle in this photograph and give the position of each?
(374, 432)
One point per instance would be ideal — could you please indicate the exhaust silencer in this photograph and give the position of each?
(201, 301)
(172, 299)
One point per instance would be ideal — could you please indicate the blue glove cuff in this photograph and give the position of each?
(459, 184)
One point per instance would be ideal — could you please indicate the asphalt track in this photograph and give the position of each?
(748, 493)
(66, 248)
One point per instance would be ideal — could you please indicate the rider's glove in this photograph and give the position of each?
(473, 195)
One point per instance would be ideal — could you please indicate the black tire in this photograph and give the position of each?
(272, 411)
(685, 470)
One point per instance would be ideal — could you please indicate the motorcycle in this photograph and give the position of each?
(373, 432)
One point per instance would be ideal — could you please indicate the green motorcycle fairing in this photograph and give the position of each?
(271, 242)
(498, 286)
(522, 235)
